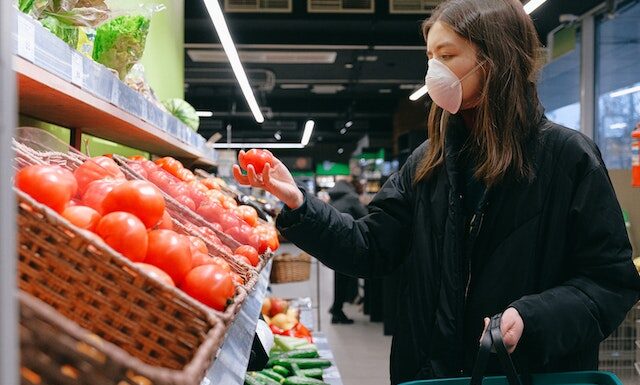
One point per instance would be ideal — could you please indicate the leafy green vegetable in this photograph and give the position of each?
(183, 111)
(68, 33)
(120, 43)
(25, 5)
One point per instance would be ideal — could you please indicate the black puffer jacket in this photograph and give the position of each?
(344, 199)
(554, 248)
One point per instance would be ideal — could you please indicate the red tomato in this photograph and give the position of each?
(97, 192)
(186, 175)
(211, 285)
(52, 186)
(94, 169)
(171, 165)
(139, 169)
(237, 280)
(198, 259)
(229, 203)
(198, 244)
(186, 202)
(244, 235)
(82, 216)
(243, 258)
(248, 214)
(217, 195)
(137, 158)
(222, 263)
(256, 158)
(217, 226)
(137, 197)
(125, 233)
(156, 273)
(210, 183)
(162, 179)
(210, 235)
(149, 166)
(167, 222)
(211, 211)
(229, 220)
(250, 252)
(197, 195)
(171, 252)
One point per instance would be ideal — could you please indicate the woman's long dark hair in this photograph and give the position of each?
(507, 42)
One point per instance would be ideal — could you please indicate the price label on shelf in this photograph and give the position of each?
(26, 39)
(77, 70)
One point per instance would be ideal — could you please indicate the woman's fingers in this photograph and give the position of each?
(241, 156)
(266, 176)
(237, 174)
(253, 177)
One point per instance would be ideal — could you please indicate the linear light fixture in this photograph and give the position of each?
(625, 91)
(306, 135)
(533, 5)
(204, 114)
(257, 145)
(217, 17)
(420, 92)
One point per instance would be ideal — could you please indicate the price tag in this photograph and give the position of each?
(26, 39)
(77, 70)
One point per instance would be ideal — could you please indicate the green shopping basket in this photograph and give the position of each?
(492, 338)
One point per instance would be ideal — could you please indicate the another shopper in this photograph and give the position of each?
(500, 210)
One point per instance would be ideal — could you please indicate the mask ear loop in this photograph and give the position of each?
(474, 69)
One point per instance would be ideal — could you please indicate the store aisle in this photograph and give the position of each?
(361, 350)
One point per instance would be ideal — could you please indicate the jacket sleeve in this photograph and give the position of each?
(602, 283)
(371, 246)
(358, 210)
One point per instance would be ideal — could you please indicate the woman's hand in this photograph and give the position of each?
(511, 326)
(275, 178)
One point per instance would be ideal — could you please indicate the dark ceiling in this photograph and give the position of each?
(338, 67)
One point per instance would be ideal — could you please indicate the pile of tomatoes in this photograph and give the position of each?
(130, 217)
(206, 198)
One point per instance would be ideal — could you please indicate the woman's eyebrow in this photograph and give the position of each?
(441, 45)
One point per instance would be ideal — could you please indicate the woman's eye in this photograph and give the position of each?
(446, 57)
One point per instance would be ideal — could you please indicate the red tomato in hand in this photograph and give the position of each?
(125, 233)
(171, 252)
(211, 285)
(52, 186)
(139, 198)
(248, 214)
(256, 158)
(250, 252)
(97, 192)
(156, 273)
(82, 216)
(167, 222)
(94, 169)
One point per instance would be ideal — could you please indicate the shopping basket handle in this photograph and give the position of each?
(492, 338)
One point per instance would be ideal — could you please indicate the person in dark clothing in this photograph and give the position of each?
(500, 211)
(345, 199)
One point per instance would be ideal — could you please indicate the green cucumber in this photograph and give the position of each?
(296, 370)
(273, 374)
(298, 353)
(249, 380)
(303, 363)
(313, 373)
(263, 379)
(289, 343)
(281, 370)
(298, 380)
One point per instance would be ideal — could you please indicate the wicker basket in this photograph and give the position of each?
(55, 350)
(290, 268)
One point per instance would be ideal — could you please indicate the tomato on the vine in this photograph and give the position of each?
(211, 285)
(257, 158)
(125, 233)
(137, 197)
(52, 186)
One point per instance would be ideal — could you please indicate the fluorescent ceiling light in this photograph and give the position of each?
(625, 91)
(297, 57)
(617, 126)
(384, 90)
(343, 131)
(422, 91)
(257, 145)
(215, 12)
(308, 129)
(204, 114)
(294, 86)
(533, 5)
(348, 124)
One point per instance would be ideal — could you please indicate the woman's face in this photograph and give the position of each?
(459, 55)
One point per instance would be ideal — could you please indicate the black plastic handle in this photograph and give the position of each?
(492, 339)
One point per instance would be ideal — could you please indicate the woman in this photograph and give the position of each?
(500, 210)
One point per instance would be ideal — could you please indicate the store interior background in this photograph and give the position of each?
(351, 69)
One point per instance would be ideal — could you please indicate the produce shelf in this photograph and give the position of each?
(58, 85)
(231, 364)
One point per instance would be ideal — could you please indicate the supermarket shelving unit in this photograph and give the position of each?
(57, 85)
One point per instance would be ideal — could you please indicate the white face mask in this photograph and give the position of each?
(444, 87)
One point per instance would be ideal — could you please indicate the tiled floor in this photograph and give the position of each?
(361, 350)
